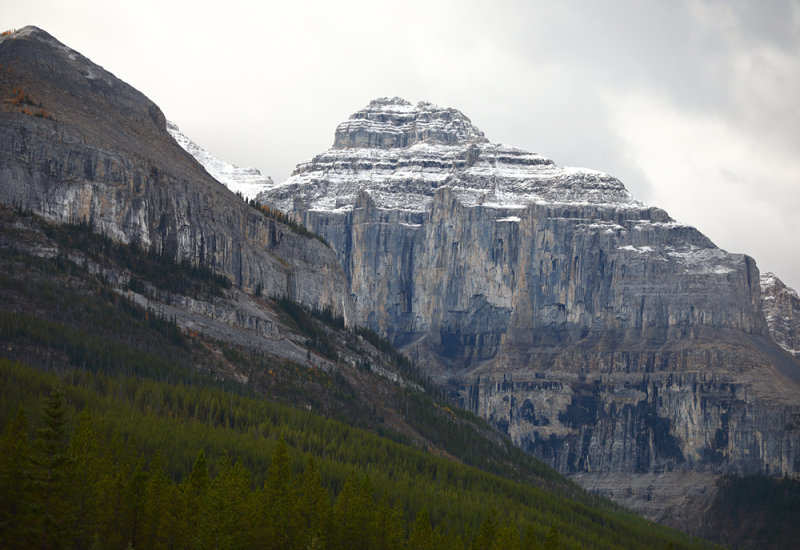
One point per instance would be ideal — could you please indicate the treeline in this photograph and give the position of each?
(127, 470)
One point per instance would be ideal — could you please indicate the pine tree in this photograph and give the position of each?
(51, 474)
(421, 536)
(353, 514)
(313, 507)
(389, 529)
(158, 516)
(15, 495)
(486, 533)
(552, 540)
(278, 501)
(84, 450)
(506, 538)
(193, 510)
(226, 507)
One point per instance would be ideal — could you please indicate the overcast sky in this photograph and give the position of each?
(694, 105)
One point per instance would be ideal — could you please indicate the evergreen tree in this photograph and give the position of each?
(15, 496)
(278, 502)
(134, 504)
(193, 510)
(51, 474)
(313, 507)
(226, 507)
(553, 540)
(506, 538)
(530, 541)
(389, 529)
(486, 533)
(158, 516)
(84, 450)
(353, 514)
(421, 536)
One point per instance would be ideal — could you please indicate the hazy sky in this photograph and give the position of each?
(693, 104)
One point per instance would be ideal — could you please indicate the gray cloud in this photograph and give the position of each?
(694, 104)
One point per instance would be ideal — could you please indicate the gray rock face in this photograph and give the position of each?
(602, 335)
(106, 158)
(781, 307)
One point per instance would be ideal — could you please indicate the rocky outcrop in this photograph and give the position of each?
(94, 149)
(781, 307)
(602, 335)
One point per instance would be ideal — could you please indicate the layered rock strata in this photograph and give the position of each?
(602, 335)
(91, 148)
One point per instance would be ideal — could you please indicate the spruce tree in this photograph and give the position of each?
(51, 474)
(15, 486)
(313, 506)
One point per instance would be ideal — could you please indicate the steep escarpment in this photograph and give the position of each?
(77, 144)
(600, 334)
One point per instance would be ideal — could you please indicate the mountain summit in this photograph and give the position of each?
(401, 154)
(394, 122)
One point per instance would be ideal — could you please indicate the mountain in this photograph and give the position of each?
(245, 181)
(175, 314)
(77, 144)
(605, 338)
(151, 321)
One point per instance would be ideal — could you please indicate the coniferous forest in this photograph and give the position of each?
(121, 430)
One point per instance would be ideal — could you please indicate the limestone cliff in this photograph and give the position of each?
(78, 144)
(602, 335)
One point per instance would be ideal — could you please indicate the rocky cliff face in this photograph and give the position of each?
(77, 144)
(602, 335)
(781, 307)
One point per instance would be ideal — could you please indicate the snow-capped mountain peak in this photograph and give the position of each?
(400, 154)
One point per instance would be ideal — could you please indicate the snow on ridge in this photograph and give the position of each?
(247, 181)
(402, 155)
(486, 174)
(769, 280)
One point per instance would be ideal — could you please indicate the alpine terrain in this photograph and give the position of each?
(181, 367)
(617, 345)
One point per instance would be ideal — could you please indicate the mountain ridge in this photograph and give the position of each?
(105, 157)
